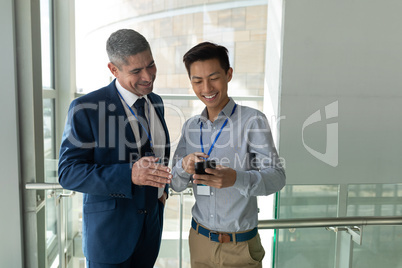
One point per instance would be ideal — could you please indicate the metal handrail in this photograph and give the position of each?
(43, 186)
(328, 222)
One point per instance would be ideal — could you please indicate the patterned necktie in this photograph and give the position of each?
(143, 123)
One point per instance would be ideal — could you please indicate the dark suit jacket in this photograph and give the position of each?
(97, 147)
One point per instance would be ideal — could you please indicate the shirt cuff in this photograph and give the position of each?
(180, 171)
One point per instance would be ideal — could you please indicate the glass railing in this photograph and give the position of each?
(339, 242)
(336, 242)
(316, 247)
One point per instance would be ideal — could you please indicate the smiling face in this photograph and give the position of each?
(138, 75)
(210, 83)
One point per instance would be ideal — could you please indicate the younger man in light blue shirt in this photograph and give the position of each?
(225, 215)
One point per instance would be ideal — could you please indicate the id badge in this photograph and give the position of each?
(203, 189)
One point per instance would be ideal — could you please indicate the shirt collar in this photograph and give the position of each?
(226, 111)
(129, 97)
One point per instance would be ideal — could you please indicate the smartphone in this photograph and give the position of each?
(201, 166)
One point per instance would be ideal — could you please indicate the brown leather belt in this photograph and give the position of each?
(224, 238)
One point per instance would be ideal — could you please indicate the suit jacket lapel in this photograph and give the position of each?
(116, 108)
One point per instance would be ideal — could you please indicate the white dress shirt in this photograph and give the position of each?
(155, 125)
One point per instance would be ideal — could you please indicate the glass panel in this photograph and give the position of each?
(46, 43)
(238, 25)
(169, 255)
(50, 177)
(375, 200)
(307, 247)
(266, 212)
(381, 245)
(308, 201)
(187, 216)
(73, 221)
(51, 217)
(315, 247)
(169, 251)
(48, 134)
(51, 227)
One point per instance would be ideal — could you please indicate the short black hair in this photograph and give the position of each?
(207, 51)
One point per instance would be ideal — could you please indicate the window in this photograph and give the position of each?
(49, 97)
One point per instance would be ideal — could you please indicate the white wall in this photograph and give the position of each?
(348, 55)
(10, 203)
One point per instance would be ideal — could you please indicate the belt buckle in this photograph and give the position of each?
(213, 233)
(222, 237)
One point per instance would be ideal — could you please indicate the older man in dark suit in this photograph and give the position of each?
(115, 150)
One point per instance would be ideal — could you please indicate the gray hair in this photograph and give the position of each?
(124, 43)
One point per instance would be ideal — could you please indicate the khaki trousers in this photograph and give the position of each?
(208, 254)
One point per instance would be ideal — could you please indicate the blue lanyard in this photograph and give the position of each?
(131, 110)
(217, 136)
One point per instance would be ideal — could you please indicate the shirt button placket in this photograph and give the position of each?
(212, 205)
(212, 197)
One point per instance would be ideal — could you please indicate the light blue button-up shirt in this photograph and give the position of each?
(244, 145)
